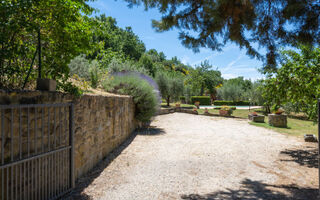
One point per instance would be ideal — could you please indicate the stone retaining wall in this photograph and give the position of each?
(164, 111)
(101, 123)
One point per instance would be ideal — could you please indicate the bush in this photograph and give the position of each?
(231, 103)
(204, 100)
(143, 94)
(68, 87)
(182, 99)
(80, 66)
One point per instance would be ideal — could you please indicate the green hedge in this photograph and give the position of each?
(231, 103)
(204, 100)
(182, 98)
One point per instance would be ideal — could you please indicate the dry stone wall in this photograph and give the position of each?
(101, 123)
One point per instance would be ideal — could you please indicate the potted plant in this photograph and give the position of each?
(206, 111)
(178, 105)
(195, 111)
(277, 110)
(197, 104)
(225, 111)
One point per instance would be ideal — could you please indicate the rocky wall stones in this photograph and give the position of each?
(277, 120)
(101, 123)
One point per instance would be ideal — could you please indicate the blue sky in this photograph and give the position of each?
(232, 61)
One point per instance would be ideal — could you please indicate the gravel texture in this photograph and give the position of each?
(185, 156)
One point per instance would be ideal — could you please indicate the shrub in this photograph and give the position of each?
(231, 103)
(80, 66)
(182, 99)
(204, 100)
(69, 88)
(143, 94)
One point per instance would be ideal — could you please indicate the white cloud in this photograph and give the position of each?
(231, 64)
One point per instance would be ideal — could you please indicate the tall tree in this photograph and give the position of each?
(109, 39)
(296, 81)
(266, 23)
(204, 77)
(64, 33)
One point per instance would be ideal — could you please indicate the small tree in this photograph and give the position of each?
(170, 86)
(296, 81)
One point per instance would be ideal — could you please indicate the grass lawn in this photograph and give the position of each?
(296, 127)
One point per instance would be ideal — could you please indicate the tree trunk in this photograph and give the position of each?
(202, 90)
(168, 100)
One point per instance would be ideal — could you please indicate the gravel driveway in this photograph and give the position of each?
(187, 156)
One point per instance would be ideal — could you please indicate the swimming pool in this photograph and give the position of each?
(238, 107)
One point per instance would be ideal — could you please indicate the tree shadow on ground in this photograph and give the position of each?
(257, 190)
(151, 130)
(86, 180)
(304, 157)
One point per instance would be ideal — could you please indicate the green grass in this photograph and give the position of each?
(296, 127)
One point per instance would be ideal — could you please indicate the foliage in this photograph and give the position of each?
(89, 71)
(64, 33)
(265, 23)
(204, 100)
(231, 92)
(182, 99)
(113, 39)
(203, 77)
(95, 74)
(127, 66)
(80, 66)
(170, 86)
(296, 81)
(69, 88)
(143, 94)
(147, 63)
(231, 103)
(236, 89)
(255, 94)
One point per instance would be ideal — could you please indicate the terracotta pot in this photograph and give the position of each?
(197, 104)
(224, 113)
(279, 111)
(254, 114)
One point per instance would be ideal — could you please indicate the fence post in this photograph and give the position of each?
(71, 143)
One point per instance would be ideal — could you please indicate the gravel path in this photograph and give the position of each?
(198, 157)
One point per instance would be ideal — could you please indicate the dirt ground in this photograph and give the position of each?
(185, 156)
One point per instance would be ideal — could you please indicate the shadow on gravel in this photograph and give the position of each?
(258, 190)
(86, 180)
(304, 157)
(151, 130)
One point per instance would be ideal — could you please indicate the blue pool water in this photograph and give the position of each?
(241, 107)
